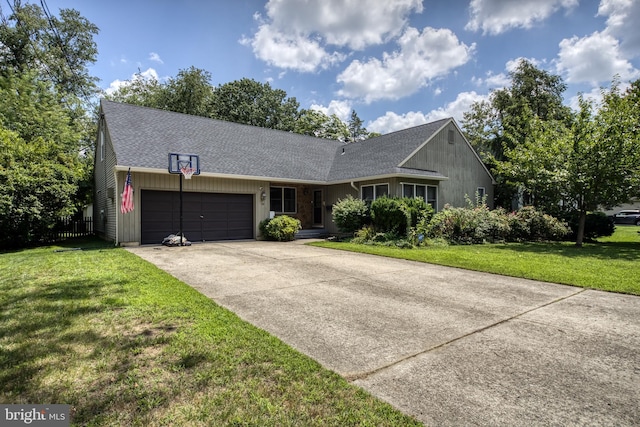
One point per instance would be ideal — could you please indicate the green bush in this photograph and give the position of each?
(479, 224)
(530, 224)
(418, 210)
(456, 225)
(282, 228)
(390, 215)
(597, 225)
(350, 214)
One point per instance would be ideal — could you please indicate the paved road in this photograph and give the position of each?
(448, 346)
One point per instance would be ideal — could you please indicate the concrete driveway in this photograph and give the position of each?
(448, 346)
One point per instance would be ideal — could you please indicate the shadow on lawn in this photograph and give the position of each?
(73, 341)
(628, 251)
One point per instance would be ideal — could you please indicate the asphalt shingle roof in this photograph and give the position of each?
(143, 137)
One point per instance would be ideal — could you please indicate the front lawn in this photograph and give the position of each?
(127, 344)
(612, 264)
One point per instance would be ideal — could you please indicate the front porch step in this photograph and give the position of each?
(312, 233)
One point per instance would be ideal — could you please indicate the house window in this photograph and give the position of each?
(429, 193)
(283, 199)
(102, 149)
(480, 193)
(372, 192)
(451, 137)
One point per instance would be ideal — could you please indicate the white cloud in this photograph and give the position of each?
(342, 109)
(421, 58)
(155, 58)
(492, 81)
(290, 51)
(148, 74)
(497, 16)
(391, 121)
(622, 22)
(593, 59)
(356, 24)
(296, 35)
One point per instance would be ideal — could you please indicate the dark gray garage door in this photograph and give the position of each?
(206, 216)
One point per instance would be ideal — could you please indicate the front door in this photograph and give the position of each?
(317, 208)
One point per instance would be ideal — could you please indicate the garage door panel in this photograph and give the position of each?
(206, 216)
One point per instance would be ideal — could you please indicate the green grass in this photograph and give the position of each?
(126, 344)
(611, 264)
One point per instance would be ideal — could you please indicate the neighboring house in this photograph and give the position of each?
(248, 172)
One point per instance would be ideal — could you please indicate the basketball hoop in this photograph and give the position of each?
(187, 172)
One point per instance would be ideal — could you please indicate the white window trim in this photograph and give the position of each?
(426, 191)
(295, 199)
(484, 191)
(375, 196)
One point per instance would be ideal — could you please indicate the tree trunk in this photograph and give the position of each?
(581, 225)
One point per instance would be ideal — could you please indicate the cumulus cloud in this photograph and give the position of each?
(155, 58)
(149, 74)
(492, 81)
(497, 16)
(296, 34)
(290, 51)
(342, 109)
(622, 22)
(391, 121)
(421, 57)
(593, 59)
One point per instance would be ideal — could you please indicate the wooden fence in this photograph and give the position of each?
(69, 227)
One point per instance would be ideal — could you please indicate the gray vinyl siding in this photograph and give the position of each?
(104, 212)
(458, 162)
(332, 195)
(129, 230)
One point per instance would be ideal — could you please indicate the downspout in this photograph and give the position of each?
(115, 196)
(353, 185)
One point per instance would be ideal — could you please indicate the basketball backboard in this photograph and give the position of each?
(177, 161)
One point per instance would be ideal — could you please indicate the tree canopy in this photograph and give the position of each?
(241, 101)
(592, 160)
(46, 131)
(560, 161)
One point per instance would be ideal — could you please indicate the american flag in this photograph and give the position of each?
(127, 195)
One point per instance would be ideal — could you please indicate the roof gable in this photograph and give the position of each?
(381, 155)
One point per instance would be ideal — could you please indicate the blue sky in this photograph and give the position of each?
(398, 63)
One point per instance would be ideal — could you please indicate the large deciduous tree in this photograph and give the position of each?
(502, 122)
(45, 128)
(591, 161)
(59, 48)
(253, 103)
(316, 123)
(40, 164)
(190, 92)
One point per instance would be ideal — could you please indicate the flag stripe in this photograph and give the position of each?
(127, 195)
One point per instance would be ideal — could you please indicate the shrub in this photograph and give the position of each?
(456, 225)
(479, 224)
(530, 224)
(281, 228)
(390, 215)
(365, 234)
(418, 210)
(597, 225)
(350, 214)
